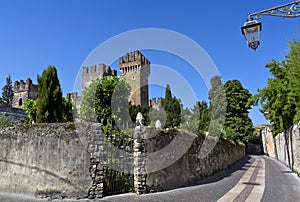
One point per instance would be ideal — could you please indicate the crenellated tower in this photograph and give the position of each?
(135, 68)
(24, 91)
(94, 72)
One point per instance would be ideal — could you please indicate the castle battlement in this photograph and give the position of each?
(24, 86)
(156, 103)
(135, 58)
(24, 91)
(73, 95)
(96, 71)
(135, 67)
(133, 62)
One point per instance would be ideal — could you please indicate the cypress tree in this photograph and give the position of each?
(172, 108)
(49, 102)
(204, 116)
(217, 106)
(7, 92)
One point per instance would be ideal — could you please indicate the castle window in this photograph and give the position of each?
(20, 102)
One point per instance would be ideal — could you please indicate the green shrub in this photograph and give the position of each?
(5, 121)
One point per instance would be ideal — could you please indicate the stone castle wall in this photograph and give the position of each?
(15, 114)
(91, 73)
(24, 91)
(96, 71)
(76, 100)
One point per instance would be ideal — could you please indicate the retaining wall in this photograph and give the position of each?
(44, 160)
(284, 147)
(176, 158)
(61, 160)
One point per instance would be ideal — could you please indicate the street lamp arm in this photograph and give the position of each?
(290, 10)
(251, 29)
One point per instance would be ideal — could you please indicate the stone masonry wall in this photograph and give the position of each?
(285, 147)
(61, 160)
(189, 167)
(15, 114)
(44, 160)
(268, 141)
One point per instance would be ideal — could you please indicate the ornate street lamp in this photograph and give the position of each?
(251, 29)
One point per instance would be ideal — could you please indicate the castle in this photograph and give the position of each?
(134, 66)
(136, 69)
(24, 91)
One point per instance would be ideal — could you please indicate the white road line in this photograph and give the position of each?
(258, 190)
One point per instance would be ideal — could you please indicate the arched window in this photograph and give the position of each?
(20, 102)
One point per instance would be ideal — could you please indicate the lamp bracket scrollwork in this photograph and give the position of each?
(290, 10)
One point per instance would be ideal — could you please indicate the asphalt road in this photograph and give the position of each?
(255, 178)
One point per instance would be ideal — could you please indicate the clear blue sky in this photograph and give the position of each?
(35, 34)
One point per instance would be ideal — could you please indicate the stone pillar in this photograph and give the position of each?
(95, 147)
(97, 175)
(139, 160)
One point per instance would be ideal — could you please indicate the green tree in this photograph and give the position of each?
(49, 101)
(280, 98)
(5, 121)
(7, 93)
(217, 106)
(172, 107)
(87, 108)
(197, 119)
(68, 108)
(111, 101)
(238, 125)
(176, 112)
(30, 108)
(106, 101)
(204, 116)
(293, 74)
(190, 120)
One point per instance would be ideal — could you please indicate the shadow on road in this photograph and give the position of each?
(286, 171)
